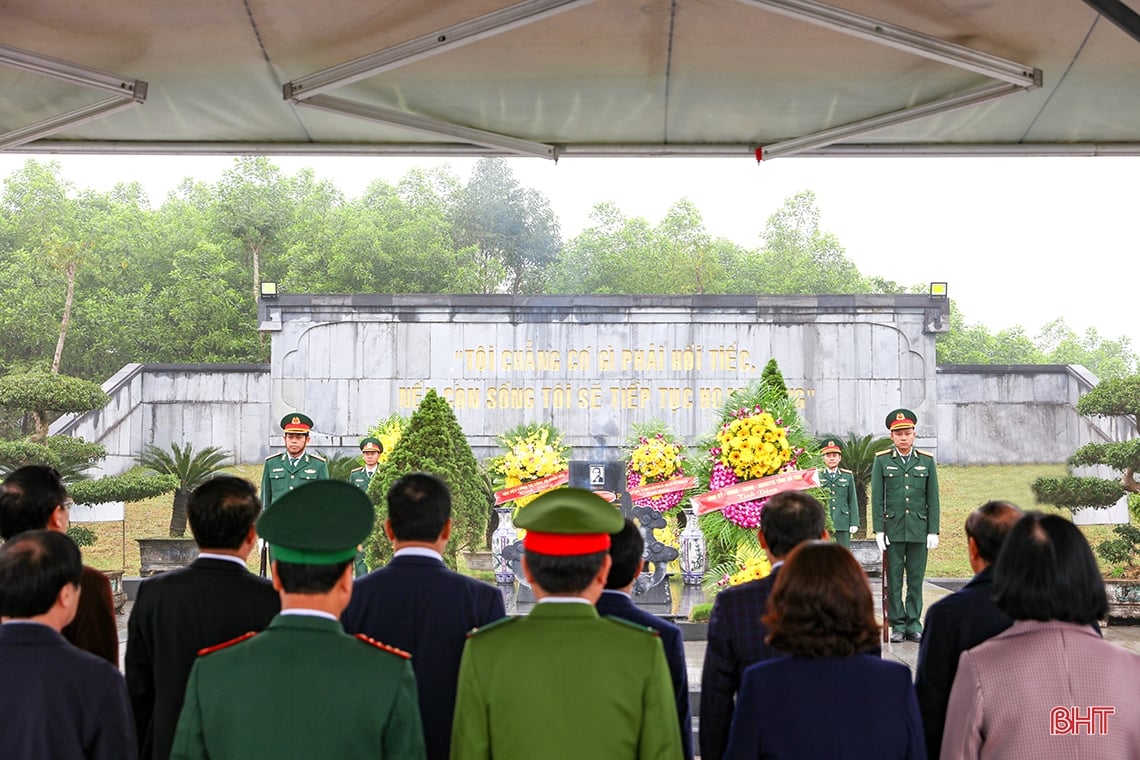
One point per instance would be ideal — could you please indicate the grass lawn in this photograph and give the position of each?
(962, 490)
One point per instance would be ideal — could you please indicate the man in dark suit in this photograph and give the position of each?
(34, 498)
(417, 604)
(176, 614)
(963, 619)
(626, 550)
(56, 700)
(736, 635)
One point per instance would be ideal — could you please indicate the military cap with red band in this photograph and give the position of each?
(296, 423)
(901, 418)
(568, 521)
(830, 447)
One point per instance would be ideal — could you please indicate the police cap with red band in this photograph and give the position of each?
(568, 521)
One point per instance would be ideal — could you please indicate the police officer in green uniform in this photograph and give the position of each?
(294, 467)
(303, 688)
(905, 512)
(844, 506)
(562, 682)
(370, 451)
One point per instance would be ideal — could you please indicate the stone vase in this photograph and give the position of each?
(694, 554)
(505, 535)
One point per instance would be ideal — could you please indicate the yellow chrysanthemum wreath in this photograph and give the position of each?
(533, 451)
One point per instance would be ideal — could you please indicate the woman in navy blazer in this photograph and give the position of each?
(825, 697)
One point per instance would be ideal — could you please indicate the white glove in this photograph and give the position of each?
(882, 540)
(854, 529)
(931, 540)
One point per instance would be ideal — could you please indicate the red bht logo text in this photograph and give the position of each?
(1069, 721)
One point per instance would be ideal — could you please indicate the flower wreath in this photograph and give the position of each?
(533, 451)
(655, 457)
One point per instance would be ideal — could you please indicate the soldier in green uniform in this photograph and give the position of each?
(843, 505)
(370, 450)
(304, 688)
(562, 682)
(294, 467)
(904, 511)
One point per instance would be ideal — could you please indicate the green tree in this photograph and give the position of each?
(975, 344)
(43, 393)
(254, 208)
(191, 469)
(1105, 358)
(433, 442)
(510, 230)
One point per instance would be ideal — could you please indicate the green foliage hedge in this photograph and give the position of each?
(1075, 493)
(126, 487)
(41, 390)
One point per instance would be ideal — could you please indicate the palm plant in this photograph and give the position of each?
(340, 466)
(192, 468)
(859, 457)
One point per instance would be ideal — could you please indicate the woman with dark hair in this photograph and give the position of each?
(830, 696)
(1049, 686)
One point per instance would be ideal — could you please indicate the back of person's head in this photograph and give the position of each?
(821, 604)
(1046, 571)
(419, 505)
(790, 518)
(564, 574)
(34, 566)
(28, 496)
(626, 548)
(303, 578)
(221, 512)
(989, 524)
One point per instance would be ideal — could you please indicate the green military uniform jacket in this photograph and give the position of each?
(904, 495)
(564, 683)
(279, 477)
(302, 689)
(844, 506)
(360, 478)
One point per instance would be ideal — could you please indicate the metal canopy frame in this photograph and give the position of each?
(1013, 77)
(125, 92)
(306, 90)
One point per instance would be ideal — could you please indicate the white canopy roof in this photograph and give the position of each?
(562, 78)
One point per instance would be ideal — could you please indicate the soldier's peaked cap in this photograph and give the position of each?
(320, 523)
(568, 521)
(901, 418)
(296, 423)
(830, 446)
(371, 443)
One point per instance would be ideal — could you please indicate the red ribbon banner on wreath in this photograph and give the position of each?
(752, 490)
(532, 487)
(651, 490)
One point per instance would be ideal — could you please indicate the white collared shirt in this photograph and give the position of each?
(418, 551)
(226, 557)
(309, 613)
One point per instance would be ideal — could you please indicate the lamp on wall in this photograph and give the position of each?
(938, 291)
(268, 290)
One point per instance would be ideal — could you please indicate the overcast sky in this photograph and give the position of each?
(1021, 241)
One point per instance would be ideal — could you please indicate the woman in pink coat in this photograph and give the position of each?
(1049, 687)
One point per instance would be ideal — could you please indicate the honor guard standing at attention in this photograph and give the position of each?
(304, 688)
(563, 683)
(904, 512)
(843, 505)
(370, 451)
(294, 467)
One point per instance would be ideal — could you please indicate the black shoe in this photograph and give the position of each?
(914, 636)
(896, 637)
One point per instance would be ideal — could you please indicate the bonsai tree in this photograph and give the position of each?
(1117, 397)
(190, 469)
(432, 442)
(44, 393)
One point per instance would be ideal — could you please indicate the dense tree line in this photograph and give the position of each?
(94, 280)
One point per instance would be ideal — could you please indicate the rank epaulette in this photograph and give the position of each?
(381, 645)
(226, 644)
(493, 624)
(318, 457)
(358, 469)
(273, 456)
(846, 471)
(884, 451)
(631, 624)
(924, 453)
